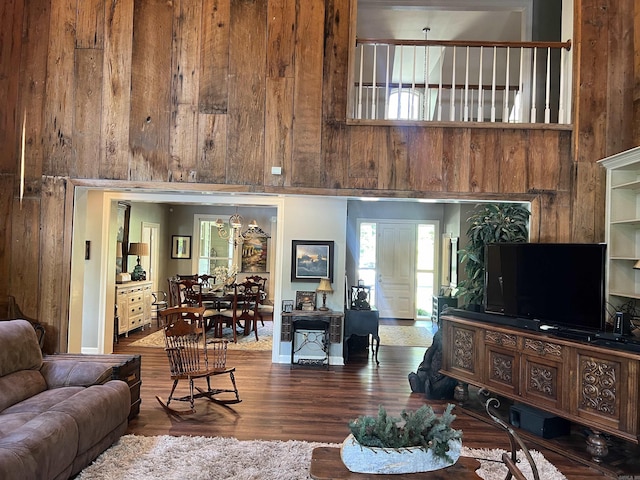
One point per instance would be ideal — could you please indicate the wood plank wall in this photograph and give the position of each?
(219, 91)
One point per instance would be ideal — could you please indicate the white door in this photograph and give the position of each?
(395, 279)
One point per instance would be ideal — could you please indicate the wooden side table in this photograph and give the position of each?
(326, 464)
(362, 323)
(328, 321)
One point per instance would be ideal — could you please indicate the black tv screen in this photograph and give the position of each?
(558, 284)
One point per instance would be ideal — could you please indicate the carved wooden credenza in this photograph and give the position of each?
(590, 385)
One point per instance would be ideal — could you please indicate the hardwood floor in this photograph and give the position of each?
(307, 403)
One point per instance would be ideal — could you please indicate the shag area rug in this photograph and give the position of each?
(405, 336)
(167, 458)
(265, 339)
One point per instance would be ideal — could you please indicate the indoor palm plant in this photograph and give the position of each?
(416, 442)
(489, 223)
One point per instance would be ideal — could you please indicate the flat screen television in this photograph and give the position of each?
(560, 285)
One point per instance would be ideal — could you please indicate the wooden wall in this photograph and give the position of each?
(218, 91)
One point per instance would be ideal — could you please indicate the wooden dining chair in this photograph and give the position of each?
(243, 310)
(191, 293)
(265, 308)
(174, 292)
(192, 357)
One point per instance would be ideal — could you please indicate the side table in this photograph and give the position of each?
(326, 464)
(362, 323)
(327, 321)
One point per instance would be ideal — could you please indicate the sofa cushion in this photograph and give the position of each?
(18, 386)
(43, 401)
(65, 373)
(44, 447)
(19, 349)
(97, 410)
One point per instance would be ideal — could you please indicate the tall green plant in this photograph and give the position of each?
(489, 223)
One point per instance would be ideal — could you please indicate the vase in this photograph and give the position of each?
(361, 459)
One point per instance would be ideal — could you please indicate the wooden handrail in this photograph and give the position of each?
(461, 43)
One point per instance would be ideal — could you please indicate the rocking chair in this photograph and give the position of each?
(191, 358)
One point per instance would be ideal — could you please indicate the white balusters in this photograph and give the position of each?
(480, 99)
(418, 92)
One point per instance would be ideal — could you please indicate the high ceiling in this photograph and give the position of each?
(489, 20)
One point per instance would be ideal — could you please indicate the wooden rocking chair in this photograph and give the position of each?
(191, 358)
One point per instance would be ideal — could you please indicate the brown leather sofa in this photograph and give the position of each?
(56, 416)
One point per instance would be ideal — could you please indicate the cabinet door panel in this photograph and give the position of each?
(600, 388)
(464, 352)
(542, 381)
(502, 370)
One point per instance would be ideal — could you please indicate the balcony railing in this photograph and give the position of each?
(461, 81)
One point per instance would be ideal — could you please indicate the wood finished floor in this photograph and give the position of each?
(306, 403)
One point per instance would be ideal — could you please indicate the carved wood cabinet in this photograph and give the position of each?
(590, 385)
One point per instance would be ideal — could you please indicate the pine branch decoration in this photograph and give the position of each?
(422, 428)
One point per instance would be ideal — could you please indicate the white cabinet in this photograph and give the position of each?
(623, 226)
(134, 305)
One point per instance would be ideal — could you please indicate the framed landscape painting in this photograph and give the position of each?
(311, 260)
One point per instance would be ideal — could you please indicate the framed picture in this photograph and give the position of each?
(305, 300)
(287, 306)
(181, 246)
(311, 260)
(254, 255)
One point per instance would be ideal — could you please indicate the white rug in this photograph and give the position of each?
(214, 458)
(265, 339)
(405, 336)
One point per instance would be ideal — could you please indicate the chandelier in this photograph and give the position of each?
(235, 233)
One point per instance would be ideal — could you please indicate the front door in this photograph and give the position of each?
(395, 279)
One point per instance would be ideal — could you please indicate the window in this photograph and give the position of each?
(404, 105)
(425, 269)
(367, 258)
(213, 251)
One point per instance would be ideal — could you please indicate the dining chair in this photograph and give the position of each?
(191, 294)
(159, 303)
(192, 357)
(243, 310)
(265, 307)
(174, 292)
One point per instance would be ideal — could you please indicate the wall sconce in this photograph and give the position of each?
(139, 249)
(637, 265)
(324, 288)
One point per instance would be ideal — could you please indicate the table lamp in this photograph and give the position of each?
(324, 288)
(139, 249)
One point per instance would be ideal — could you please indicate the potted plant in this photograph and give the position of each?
(489, 223)
(419, 441)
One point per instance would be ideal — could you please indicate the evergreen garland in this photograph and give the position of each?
(422, 428)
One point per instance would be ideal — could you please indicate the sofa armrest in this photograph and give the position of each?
(66, 373)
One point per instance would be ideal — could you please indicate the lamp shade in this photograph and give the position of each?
(139, 249)
(637, 265)
(325, 286)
